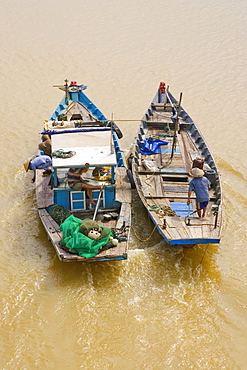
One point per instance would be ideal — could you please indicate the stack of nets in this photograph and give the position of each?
(60, 153)
(58, 213)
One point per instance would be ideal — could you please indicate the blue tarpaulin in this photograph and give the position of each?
(181, 208)
(150, 146)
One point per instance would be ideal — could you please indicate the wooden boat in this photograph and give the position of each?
(166, 147)
(80, 134)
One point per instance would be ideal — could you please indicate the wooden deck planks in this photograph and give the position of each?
(174, 183)
(44, 193)
(55, 236)
(50, 225)
(125, 216)
(123, 187)
(119, 250)
(177, 228)
(158, 186)
(148, 184)
(161, 186)
(186, 146)
(182, 231)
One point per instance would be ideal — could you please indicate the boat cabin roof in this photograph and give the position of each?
(89, 147)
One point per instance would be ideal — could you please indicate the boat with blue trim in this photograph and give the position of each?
(167, 150)
(84, 198)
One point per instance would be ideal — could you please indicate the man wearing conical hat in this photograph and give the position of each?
(199, 185)
(41, 161)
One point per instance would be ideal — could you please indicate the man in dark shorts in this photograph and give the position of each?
(76, 182)
(38, 162)
(200, 185)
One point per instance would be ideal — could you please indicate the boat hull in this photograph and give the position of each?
(168, 144)
(82, 138)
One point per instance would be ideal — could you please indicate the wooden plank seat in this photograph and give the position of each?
(162, 107)
(172, 173)
(170, 196)
(156, 104)
(163, 120)
(157, 124)
(172, 189)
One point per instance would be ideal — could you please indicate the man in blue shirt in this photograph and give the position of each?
(39, 162)
(200, 185)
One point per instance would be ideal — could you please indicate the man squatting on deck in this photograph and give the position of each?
(76, 182)
(39, 162)
(200, 185)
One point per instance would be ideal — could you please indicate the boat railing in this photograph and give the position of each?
(121, 162)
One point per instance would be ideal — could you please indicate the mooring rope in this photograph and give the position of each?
(143, 240)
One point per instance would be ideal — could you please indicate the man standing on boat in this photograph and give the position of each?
(200, 185)
(76, 182)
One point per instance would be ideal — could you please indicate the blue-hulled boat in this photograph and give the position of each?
(168, 144)
(80, 137)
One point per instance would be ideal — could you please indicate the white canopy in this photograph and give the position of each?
(90, 147)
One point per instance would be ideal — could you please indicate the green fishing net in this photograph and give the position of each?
(79, 243)
(58, 213)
